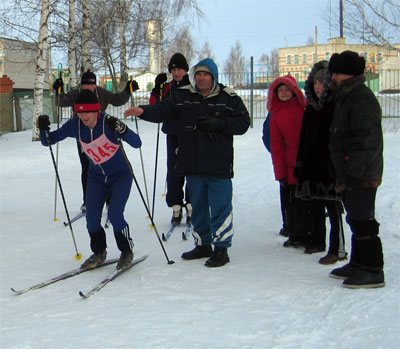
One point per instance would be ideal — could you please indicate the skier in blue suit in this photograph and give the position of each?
(98, 133)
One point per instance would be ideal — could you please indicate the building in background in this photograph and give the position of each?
(298, 61)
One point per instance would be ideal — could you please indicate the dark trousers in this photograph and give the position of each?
(318, 230)
(175, 183)
(97, 192)
(296, 215)
(84, 173)
(366, 248)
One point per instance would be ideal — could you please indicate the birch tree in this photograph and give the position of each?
(72, 44)
(86, 27)
(41, 65)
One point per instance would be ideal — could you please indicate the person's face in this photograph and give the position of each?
(284, 93)
(338, 78)
(178, 73)
(90, 87)
(318, 87)
(89, 119)
(204, 82)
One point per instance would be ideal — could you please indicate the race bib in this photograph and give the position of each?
(100, 150)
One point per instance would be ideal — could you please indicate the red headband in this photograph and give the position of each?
(85, 108)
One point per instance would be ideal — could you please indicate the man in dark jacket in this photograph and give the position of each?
(105, 97)
(208, 115)
(176, 189)
(356, 144)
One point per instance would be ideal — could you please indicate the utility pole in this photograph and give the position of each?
(341, 17)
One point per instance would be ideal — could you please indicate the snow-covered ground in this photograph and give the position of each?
(266, 297)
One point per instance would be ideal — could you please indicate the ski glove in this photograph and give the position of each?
(58, 85)
(43, 123)
(160, 79)
(135, 86)
(210, 123)
(116, 125)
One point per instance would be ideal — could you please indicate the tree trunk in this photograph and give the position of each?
(86, 60)
(40, 69)
(72, 45)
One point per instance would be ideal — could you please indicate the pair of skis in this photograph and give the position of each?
(112, 276)
(185, 234)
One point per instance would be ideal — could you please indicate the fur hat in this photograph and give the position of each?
(88, 78)
(319, 75)
(178, 60)
(348, 62)
(86, 101)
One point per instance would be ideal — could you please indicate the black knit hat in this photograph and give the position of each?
(88, 78)
(178, 60)
(86, 101)
(348, 62)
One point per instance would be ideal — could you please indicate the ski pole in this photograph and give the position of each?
(144, 202)
(140, 149)
(78, 256)
(58, 124)
(156, 159)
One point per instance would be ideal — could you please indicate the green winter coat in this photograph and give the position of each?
(356, 139)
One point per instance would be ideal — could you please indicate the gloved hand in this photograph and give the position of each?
(135, 86)
(210, 123)
(59, 83)
(116, 125)
(160, 79)
(43, 123)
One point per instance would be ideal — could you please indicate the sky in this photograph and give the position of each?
(266, 297)
(262, 25)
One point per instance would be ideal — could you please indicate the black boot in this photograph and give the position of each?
(198, 252)
(369, 250)
(365, 278)
(344, 272)
(218, 258)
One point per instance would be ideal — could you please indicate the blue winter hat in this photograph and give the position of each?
(206, 65)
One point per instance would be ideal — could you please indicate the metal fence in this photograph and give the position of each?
(252, 89)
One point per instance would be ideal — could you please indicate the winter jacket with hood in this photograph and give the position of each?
(356, 140)
(200, 154)
(314, 169)
(285, 125)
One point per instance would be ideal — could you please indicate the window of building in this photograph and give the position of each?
(314, 58)
(289, 59)
(296, 76)
(296, 59)
(379, 56)
(304, 57)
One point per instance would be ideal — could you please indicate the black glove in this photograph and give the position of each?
(160, 79)
(43, 123)
(210, 123)
(116, 125)
(283, 182)
(135, 86)
(59, 83)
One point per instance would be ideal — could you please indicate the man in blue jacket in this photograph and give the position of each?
(208, 115)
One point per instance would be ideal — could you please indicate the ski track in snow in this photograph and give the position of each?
(266, 297)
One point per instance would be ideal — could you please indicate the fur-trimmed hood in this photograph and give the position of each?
(273, 102)
(326, 95)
